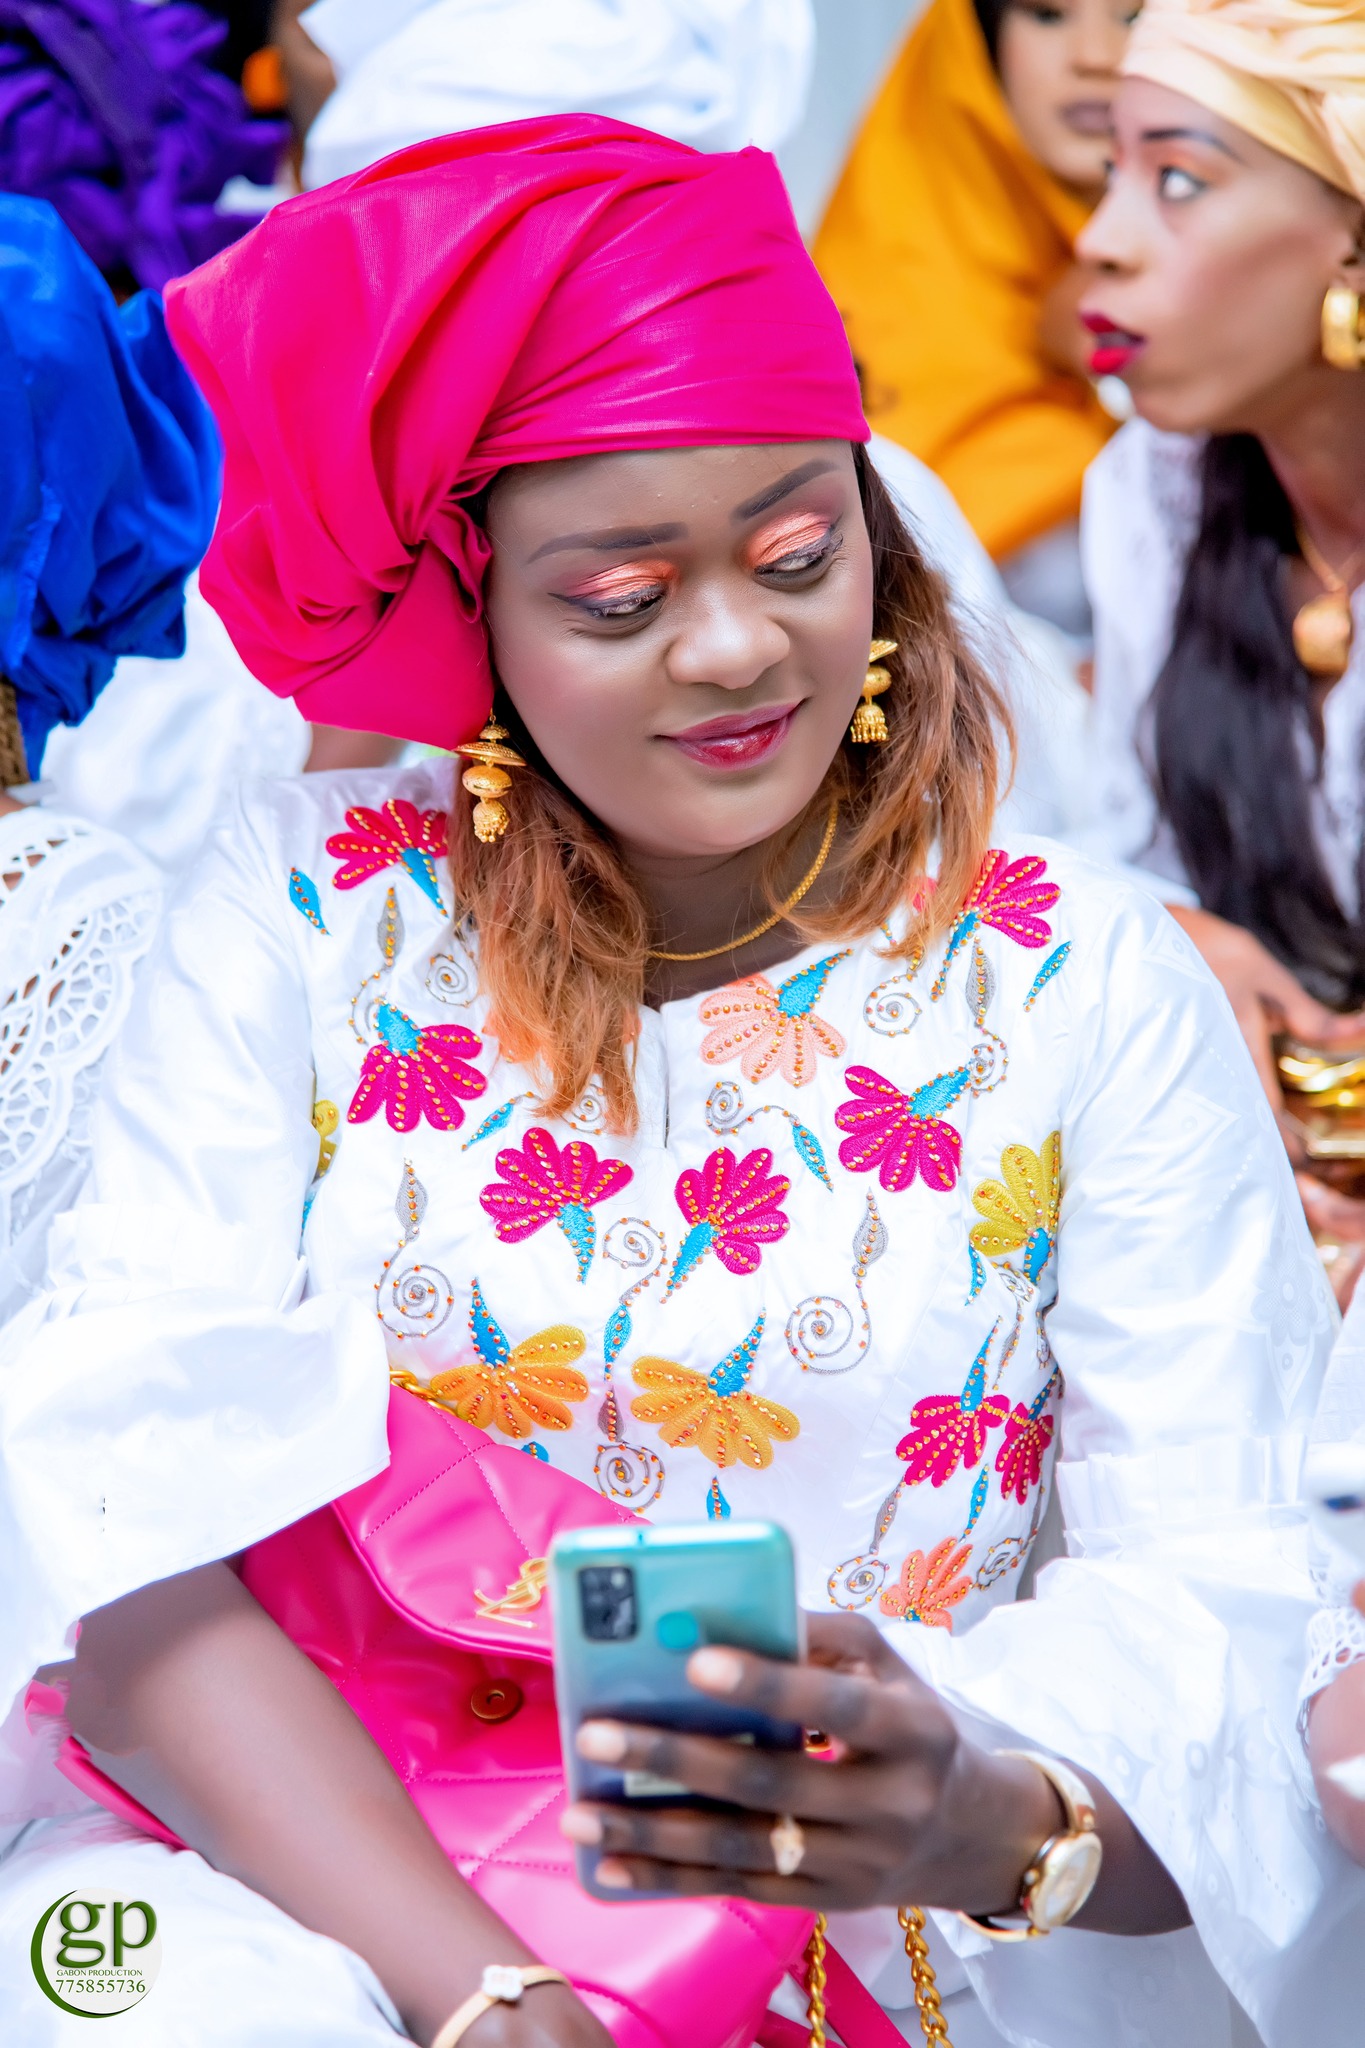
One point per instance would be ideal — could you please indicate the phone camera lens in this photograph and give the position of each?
(606, 1595)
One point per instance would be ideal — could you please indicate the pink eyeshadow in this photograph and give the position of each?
(790, 536)
(624, 579)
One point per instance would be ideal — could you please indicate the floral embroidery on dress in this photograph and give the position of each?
(726, 1115)
(1054, 962)
(303, 894)
(1019, 1461)
(417, 1073)
(772, 1029)
(903, 1135)
(950, 1430)
(734, 1207)
(541, 1182)
(714, 1412)
(1008, 896)
(1020, 1209)
(397, 834)
(515, 1387)
(929, 1588)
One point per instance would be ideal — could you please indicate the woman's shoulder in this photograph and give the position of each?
(286, 821)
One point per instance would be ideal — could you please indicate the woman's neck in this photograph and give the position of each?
(700, 902)
(1315, 442)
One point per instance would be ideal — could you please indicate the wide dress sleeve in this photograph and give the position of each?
(1192, 1325)
(177, 1394)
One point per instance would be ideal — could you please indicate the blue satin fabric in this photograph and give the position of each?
(109, 475)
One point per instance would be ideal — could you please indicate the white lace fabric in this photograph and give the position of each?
(78, 907)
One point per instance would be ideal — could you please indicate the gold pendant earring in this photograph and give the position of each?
(869, 720)
(489, 780)
(1342, 345)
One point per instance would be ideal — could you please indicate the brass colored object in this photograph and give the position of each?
(1325, 1093)
(928, 2004)
(488, 780)
(496, 1701)
(734, 945)
(1342, 343)
(815, 1984)
(13, 762)
(1323, 628)
(869, 720)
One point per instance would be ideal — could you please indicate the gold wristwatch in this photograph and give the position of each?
(1062, 1875)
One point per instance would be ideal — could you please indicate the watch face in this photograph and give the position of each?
(1067, 1880)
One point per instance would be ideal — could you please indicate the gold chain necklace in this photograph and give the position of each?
(1323, 628)
(735, 945)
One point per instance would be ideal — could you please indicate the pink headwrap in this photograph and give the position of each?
(377, 350)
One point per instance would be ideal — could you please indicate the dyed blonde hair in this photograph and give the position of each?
(563, 931)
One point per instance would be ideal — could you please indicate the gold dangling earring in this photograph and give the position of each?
(489, 780)
(1342, 344)
(869, 720)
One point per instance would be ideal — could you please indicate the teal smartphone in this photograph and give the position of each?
(629, 1606)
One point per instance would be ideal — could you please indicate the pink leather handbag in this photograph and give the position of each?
(419, 1594)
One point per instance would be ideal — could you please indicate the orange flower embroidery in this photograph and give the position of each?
(772, 1029)
(930, 1587)
(514, 1387)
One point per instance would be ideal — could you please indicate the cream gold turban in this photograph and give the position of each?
(1290, 72)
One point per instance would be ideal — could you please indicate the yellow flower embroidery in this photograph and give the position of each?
(515, 1387)
(1020, 1211)
(713, 1412)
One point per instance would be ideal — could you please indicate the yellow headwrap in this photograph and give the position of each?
(1289, 72)
(938, 247)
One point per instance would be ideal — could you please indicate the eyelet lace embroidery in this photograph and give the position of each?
(61, 1003)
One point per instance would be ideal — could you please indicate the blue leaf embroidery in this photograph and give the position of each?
(493, 1346)
(731, 1376)
(717, 1506)
(617, 1333)
(423, 871)
(577, 1225)
(808, 1145)
(491, 1123)
(303, 895)
(1053, 962)
(694, 1246)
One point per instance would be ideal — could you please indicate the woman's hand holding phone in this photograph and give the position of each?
(906, 1811)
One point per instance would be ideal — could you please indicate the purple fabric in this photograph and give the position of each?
(111, 110)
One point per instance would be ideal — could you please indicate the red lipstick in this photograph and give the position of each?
(741, 740)
(1115, 347)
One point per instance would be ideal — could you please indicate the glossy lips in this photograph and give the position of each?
(742, 740)
(1089, 117)
(1115, 348)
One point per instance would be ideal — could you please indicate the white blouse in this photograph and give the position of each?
(1139, 522)
(78, 907)
(891, 1252)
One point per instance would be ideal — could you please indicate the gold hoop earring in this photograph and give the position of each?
(869, 720)
(489, 780)
(1342, 344)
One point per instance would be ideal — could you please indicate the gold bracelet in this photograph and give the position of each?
(1061, 1877)
(503, 1984)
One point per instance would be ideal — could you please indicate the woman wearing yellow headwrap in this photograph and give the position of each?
(953, 222)
(1224, 536)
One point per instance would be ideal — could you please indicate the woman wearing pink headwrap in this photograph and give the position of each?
(777, 1146)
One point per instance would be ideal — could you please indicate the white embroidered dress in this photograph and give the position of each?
(886, 1245)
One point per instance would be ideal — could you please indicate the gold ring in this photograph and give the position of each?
(788, 1838)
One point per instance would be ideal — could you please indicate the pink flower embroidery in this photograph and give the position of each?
(541, 1182)
(1009, 896)
(903, 1135)
(398, 834)
(734, 1208)
(928, 1588)
(1019, 1461)
(417, 1074)
(948, 1430)
(772, 1028)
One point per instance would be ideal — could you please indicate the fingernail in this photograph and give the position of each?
(613, 1875)
(577, 1824)
(601, 1742)
(715, 1670)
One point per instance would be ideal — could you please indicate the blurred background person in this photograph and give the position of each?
(109, 470)
(1224, 529)
(948, 248)
(367, 80)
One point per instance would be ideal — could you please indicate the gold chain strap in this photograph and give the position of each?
(815, 1983)
(927, 2003)
(932, 2023)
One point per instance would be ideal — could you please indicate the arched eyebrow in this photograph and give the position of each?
(820, 465)
(608, 539)
(1190, 135)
